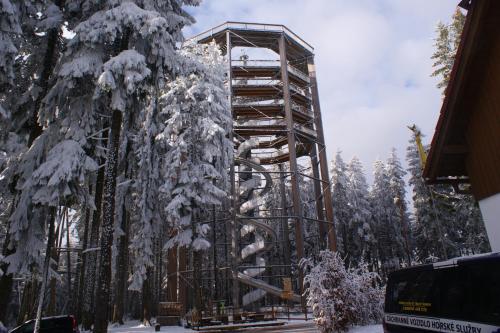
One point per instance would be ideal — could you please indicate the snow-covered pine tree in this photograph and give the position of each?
(446, 223)
(361, 233)
(44, 179)
(397, 191)
(455, 30)
(147, 185)
(308, 199)
(9, 28)
(390, 243)
(197, 120)
(446, 46)
(130, 46)
(340, 203)
(429, 215)
(442, 61)
(468, 217)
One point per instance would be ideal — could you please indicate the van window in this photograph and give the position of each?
(412, 293)
(482, 303)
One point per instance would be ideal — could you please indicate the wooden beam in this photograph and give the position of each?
(319, 197)
(234, 230)
(297, 204)
(332, 237)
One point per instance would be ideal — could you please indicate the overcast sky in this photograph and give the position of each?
(372, 59)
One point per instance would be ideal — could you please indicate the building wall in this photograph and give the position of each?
(490, 209)
(483, 131)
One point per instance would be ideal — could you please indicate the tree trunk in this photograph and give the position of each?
(122, 246)
(46, 267)
(104, 281)
(57, 239)
(68, 263)
(121, 269)
(28, 301)
(215, 286)
(81, 268)
(146, 300)
(172, 272)
(6, 279)
(90, 258)
(197, 303)
(197, 263)
(182, 278)
(49, 61)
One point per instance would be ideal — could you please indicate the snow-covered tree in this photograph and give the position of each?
(9, 28)
(397, 192)
(385, 213)
(446, 46)
(341, 297)
(147, 225)
(447, 224)
(197, 120)
(468, 217)
(341, 203)
(361, 234)
(429, 213)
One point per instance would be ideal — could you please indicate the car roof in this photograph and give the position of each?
(454, 262)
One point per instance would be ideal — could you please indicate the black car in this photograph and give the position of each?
(460, 295)
(58, 324)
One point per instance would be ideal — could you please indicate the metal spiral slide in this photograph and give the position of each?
(249, 225)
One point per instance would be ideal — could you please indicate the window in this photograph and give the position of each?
(412, 293)
(482, 295)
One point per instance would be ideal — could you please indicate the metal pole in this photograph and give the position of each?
(297, 208)
(332, 238)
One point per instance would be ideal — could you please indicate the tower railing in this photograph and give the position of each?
(255, 27)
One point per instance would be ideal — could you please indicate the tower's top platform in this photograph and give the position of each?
(246, 34)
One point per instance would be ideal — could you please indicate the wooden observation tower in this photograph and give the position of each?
(277, 130)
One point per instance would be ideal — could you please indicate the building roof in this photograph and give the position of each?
(449, 149)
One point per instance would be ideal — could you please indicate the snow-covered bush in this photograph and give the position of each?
(370, 297)
(340, 297)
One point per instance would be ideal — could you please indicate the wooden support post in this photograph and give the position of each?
(182, 251)
(319, 197)
(297, 207)
(318, 123)
(234, 195)
(284, 222)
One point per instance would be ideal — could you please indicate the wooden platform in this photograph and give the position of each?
(235, 327)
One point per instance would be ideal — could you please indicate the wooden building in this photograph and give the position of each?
(466, 143)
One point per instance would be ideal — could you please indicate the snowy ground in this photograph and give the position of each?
(367, 329)
(133, 327)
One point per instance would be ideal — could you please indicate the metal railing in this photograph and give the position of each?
(269, 63)
(255, 63)
(254, 27)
